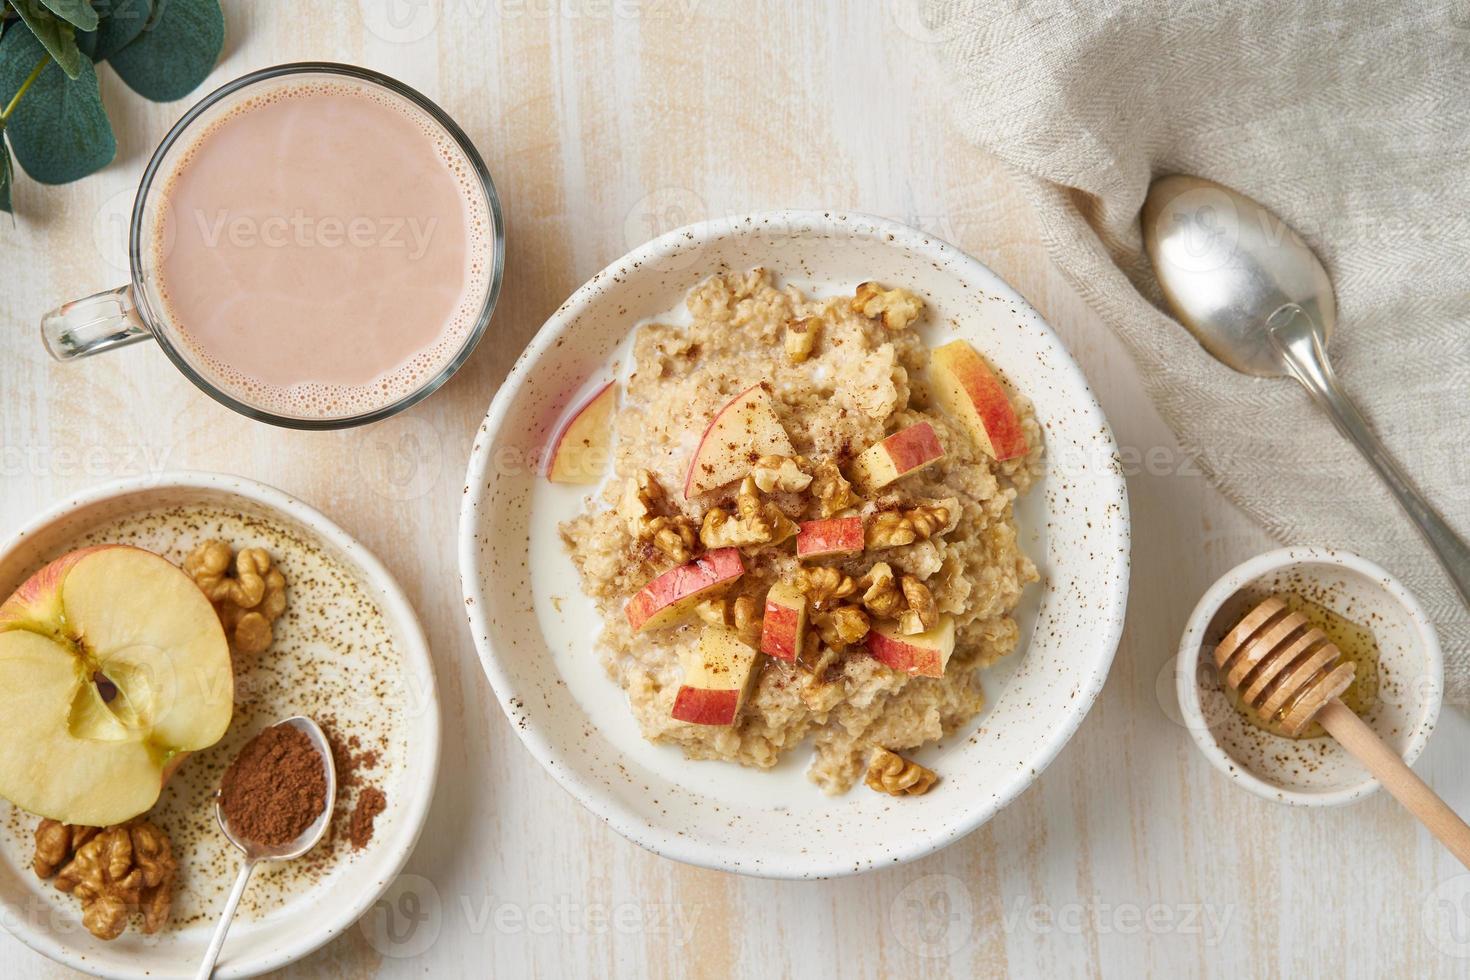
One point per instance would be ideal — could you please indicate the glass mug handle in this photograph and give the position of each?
(100, 322)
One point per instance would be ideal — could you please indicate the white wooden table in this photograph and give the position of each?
(605, 122)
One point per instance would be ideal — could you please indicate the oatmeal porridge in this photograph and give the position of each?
(808, 530)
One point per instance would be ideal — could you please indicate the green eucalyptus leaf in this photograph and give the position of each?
(7, 174)
(58, 130)
(58, 37)
(175, 52)
(122, 21)
(78, 13)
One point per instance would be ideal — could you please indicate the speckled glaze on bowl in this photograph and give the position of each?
(1317, 771)
(539, 651)
(312, 915)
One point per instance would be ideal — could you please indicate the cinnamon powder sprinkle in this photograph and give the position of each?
(275, 788)
(370, 803)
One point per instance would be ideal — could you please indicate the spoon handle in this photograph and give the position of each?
(1300, 347)
(217, 942)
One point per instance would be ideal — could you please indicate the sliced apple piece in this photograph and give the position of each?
(580, 452)
(924, 653)
(718, 675)
(676, 592)
(784, 626)
(968, 389)
(830, 537)
(82, 751)
(746, 429)
(906, 451)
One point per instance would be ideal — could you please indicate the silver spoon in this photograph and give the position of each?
(1258, 299)
(255, 853)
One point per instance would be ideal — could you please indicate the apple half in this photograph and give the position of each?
(925, 653)
(830, 537)
(718, 676)
(581, 449)
(906, 451)
(113, 667)
(783, 628)
(746, 429)
(676, 592)
(969, 390)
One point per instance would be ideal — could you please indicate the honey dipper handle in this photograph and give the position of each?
(1355, 736)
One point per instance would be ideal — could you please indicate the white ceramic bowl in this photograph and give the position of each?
(536, 633)
(1313, 772)
(317, 914)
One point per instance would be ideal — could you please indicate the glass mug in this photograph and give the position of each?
(139, 310)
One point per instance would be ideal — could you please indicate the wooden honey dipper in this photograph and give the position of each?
(1288, 671)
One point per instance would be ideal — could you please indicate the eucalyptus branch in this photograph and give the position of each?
(15, 99)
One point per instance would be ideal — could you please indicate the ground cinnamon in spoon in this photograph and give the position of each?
(275, 788)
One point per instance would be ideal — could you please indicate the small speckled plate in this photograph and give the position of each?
(349, 652)
(1313, 771)
(536, 632)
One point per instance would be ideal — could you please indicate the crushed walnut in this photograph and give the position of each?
(880, 592)
(801, 338)
(897, 308)
(895, 528)
(824, 586)
(782, 474)
(743, 616)
(755, 521)
(641, 508)
(922, 613)
(891, 773)
(114, 871)
(841, 627)
(249, 601)
(833, 492)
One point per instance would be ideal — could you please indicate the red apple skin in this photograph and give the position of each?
(913, 447)
(698, 706)
(568, 463)
(774, 441)
(902, 654)
(968, 388)
(830, 536)
(674, 592)
(37, 603)
(779, 631)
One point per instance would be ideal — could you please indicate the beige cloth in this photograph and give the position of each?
(1351, 121)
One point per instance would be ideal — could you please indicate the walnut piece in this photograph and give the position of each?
(842, 627)
(824, 586)
(780, 473)
(833, 492)
(120, 870)
(249, 601)
(895, 528)
(881, 595)
(643, 498)
(891, 773)
(897, 308)
(922, 613)
(56, 842)
(743, 616)
(755, 522)
(801, 338)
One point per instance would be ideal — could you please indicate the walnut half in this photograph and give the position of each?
(249, 601)
(897, 308)
(671, 534)
(891, 773)
(120, 870)
(896, 528)
(755, 521)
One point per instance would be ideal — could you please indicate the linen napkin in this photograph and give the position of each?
(1351, 120)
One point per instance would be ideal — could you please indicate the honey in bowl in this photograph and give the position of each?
(1355, 642)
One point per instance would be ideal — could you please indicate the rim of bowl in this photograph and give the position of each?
(683, 847)
(244, 964)
(1187, 668)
